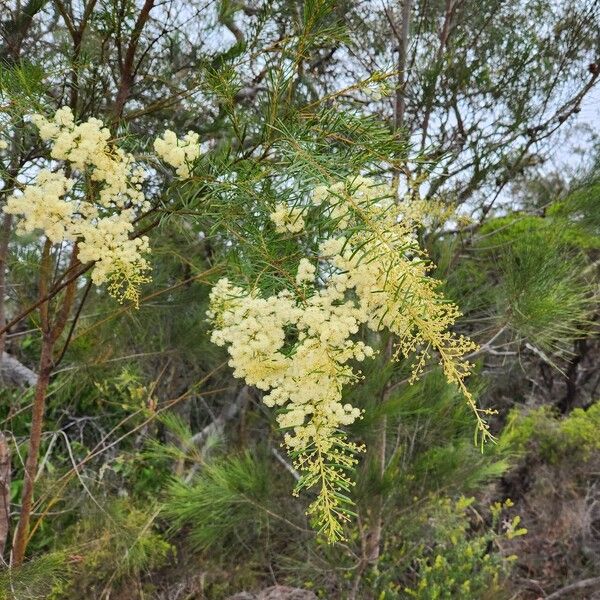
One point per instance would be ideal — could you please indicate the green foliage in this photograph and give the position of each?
(459, 563)
(543, 294)
(579, 211)
(224, 505)
(112, 544)
(22, 83)
(434, 448)
(534, 281)
(35, 579)
(552, 438)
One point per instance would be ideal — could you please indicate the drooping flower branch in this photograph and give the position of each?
(299, 347)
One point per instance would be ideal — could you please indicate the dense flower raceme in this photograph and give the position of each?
(299, 347)
(94, 201)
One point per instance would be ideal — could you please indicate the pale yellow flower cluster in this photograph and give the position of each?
(87, 149)
(94, 206)
(306, 376)
(372, 274)
(44, 207)
(306, 272)
(287, 218)
(382, 262)
(298, 350)
(179, 153)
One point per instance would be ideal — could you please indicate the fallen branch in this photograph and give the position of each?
(593, 582)
(15, 372)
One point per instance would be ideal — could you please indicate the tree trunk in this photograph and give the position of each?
(31, 465)
(5, 472)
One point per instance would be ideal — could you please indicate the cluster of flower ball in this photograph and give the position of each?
(95, 198)
(93, 206)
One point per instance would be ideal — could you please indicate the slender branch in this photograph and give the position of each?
(51, 294)
(50, 333)
(35, 437)
(45, 267)
(127, 73)
(443, 36)
(5, 233)
(400, 107)
(74, 322)
(14, 30)
(64, 13)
